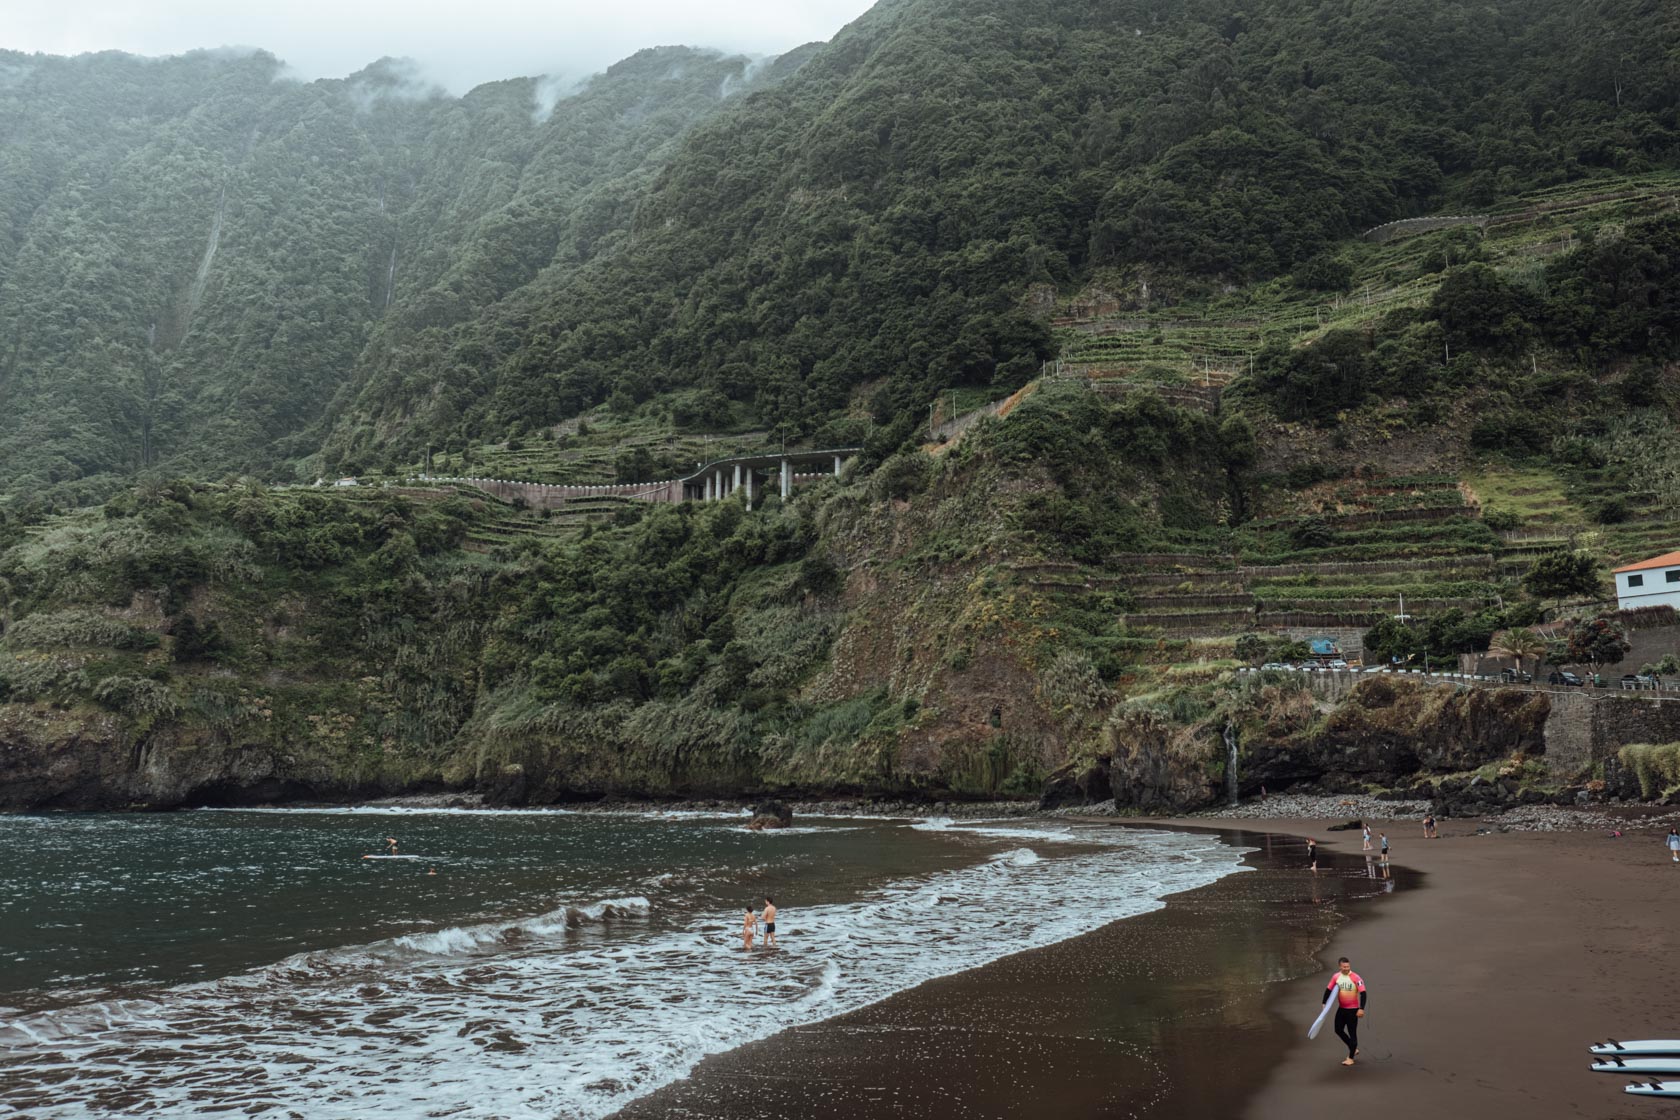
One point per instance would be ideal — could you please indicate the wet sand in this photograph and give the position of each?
(1488, 985)
(1492, 965)
(1128, 1020)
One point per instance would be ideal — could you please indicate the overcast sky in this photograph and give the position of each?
(459, 43)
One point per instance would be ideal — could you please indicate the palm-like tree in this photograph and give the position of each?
(1517, 643)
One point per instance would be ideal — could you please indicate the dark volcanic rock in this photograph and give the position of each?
(770, 814)
(1076, 783)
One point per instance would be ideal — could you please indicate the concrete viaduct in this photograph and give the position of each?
(721, 478)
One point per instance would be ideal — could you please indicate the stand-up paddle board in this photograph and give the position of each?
(399, 857)
(1640, 1067)
(1323, 1017)
(1637, 1048)
(1655, 1089)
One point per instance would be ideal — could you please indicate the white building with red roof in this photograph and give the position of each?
(1649, 583)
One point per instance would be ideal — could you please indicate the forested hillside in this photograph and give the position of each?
(882, 216)
(205, 267)
(197, 254)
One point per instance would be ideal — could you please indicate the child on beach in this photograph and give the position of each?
(1674, 844)
(749, 922)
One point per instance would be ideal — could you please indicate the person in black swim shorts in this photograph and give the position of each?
(769, 922)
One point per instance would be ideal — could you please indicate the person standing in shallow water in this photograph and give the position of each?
(749, 921)
(1348, 989)
(769, 922)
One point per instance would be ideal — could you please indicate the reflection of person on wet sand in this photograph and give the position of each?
(749, 920)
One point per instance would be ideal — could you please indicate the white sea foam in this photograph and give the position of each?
(574, 1012)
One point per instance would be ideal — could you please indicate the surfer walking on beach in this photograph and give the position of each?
(1348, 989)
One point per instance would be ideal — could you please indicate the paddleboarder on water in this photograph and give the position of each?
(1348, 989)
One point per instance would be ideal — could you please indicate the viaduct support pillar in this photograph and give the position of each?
(787, 480)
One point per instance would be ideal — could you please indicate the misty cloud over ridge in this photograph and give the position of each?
(450, 45)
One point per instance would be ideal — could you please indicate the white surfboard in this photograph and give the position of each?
(1641, 1067)
(1637, 1048)
(1323, 1016)
(1655, 1089)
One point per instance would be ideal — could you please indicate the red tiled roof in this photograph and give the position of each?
(1666, 560)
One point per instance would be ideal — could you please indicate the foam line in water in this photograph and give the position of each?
(575, 1012)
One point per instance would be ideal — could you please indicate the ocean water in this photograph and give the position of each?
(556, 965)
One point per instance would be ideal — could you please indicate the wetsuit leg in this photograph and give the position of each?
(1347, 1027)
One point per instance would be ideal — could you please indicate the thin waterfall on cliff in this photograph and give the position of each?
(1231, 762)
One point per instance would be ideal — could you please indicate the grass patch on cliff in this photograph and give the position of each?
(1656, 765)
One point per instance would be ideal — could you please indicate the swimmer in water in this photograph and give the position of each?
(431, 871)
(749, 921)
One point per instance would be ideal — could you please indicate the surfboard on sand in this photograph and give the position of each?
(1323, 1017)
(1654, 1089)
(1640, 1067)
(1637, 1048)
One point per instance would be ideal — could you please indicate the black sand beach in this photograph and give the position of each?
(1167, 1014)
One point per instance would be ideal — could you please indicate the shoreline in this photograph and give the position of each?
(1496, 960)
(1488, 986)
(1123, 1019)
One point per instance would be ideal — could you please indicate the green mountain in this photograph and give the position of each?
(1222, 417)
(198, 254)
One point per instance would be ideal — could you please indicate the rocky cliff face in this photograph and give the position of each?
(1385, 733)
(51, 759)
(1388, 730)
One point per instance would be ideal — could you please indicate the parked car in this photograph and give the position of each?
(1338, 664)
(1516, 676)
(1277, 665)
(1561, 676)
(1640, 680)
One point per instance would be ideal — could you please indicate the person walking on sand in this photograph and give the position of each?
(769, 922)
(1384, 837)
(1367, 834)
(1312, 853)
(749, 922)
(1348, 988)
(1674, 844)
